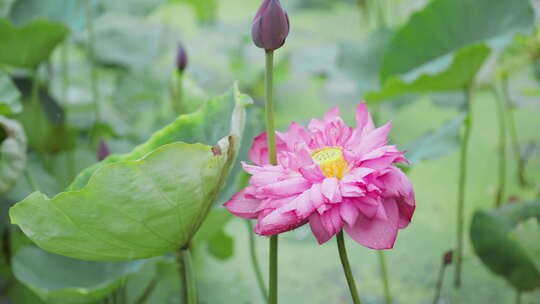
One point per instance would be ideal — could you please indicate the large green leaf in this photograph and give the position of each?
(447, 73)
(442, 46)
(59, 279)
(145, 203)
(68, 12)
(207, 125)
(119, 42)
(31, 44)
(362, 62)
(499, 241)
(437, 143)
(9, 96)
(12, 153)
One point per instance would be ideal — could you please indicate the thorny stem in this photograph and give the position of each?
(461, 186)
(255, 261)
(347, 268)
(271, 135)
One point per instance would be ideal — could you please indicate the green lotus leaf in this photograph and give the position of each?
(12, 152)
(445, 74)
(31, 44)
(504, 245)
(68, 12)
(443, 45)
(118, 42)
(437, 143)
(9, 96)
(145, 203)
(59, 279)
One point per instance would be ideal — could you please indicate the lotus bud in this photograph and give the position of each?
(448, 256)
(270, 26)
(103, 150)
(181, 59)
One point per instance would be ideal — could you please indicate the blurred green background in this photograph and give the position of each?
(330, 59)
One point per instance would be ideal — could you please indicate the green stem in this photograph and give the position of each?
(513, 135)
(178, 90)
(273, 293)
(34, 97)
(65, 72)
(439, 285)
(461, 186)
(6, 245)
(272, 158)
(502, 148)
(384, 276)
(255, 261)
(347, 268)
(30, 180)
(93, 70)
(187, 276)
(518, 297)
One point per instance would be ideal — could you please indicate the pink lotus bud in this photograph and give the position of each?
(270, 26)
(103, 150)
(181, 59)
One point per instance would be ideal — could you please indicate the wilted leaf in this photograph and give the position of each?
(442, 46)
(59, 279)
(31, 44)
(9, 96)
(436, 144)
(12, 152)
(145, 203)
(499, 242)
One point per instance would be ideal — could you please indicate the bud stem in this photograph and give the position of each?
(461, 186)
(347, 268)
(93, 70)
(272, 158)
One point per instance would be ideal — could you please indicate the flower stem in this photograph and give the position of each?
(272, 158)
(384, 276)
(187, 277)
(518, 297)
(255, 261)
(461, 186)
(178, 102)
(502, 148)
(440, 281)
(347, 268)
(273, 293)
(93, 70)
(513, 135)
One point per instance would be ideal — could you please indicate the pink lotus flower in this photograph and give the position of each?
(332, 176)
